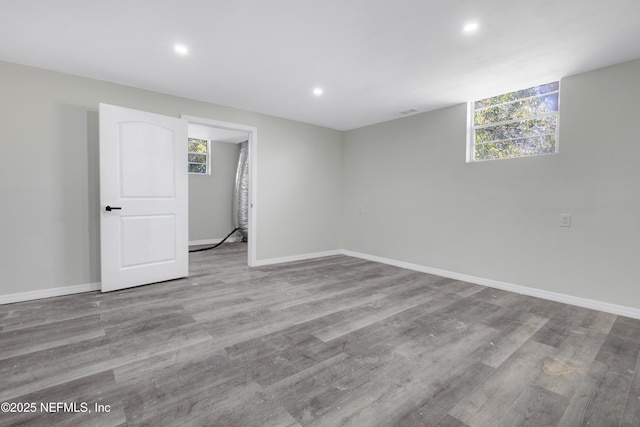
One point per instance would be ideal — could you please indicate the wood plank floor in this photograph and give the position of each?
(326, 342)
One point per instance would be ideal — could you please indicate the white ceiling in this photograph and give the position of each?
(374, 58)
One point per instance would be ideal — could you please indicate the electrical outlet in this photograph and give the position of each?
(565, 220)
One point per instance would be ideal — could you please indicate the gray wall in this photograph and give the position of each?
(49, 176)
(211, 196)
(421, 203)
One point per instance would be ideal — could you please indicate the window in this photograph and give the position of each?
(516, 124)
(198, 153)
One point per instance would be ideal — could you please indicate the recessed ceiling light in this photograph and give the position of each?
(318, 91)
(470, 27)
(181, 49)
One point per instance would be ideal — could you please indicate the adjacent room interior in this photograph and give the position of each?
(431, 233)
(214, 185)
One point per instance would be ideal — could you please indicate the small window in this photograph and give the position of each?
(516, 124)
(198, 153)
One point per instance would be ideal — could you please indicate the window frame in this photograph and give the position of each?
(471, 127)
(207, 163)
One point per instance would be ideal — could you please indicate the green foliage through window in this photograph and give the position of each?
(515, 124)
(198, 155)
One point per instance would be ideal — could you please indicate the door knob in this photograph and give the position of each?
(112, 208)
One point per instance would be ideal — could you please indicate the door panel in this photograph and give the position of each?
(153, 145)
(147, 239)
(143, 179)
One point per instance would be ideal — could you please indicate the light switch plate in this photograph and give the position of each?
(565, 220)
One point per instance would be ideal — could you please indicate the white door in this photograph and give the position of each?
(143, 198)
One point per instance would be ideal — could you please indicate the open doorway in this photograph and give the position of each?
(212, 185)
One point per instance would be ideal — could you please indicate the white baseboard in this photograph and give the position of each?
(548, 295)
(301, 257)
(48, 293)
(552, 296)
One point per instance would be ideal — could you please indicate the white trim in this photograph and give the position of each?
(253, 175)
(49, 293)
(524, 290)
(471, 134)
(301, 257)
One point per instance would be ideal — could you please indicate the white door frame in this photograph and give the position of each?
(253, 168)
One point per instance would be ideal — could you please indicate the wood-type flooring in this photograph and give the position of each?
(326, 342)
